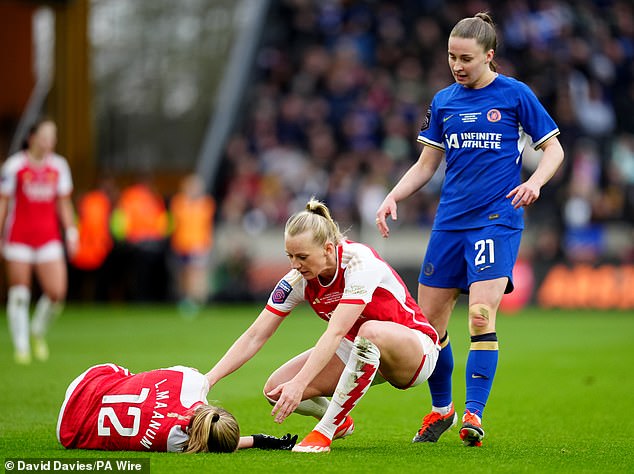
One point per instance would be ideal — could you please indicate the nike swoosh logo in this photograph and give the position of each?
(474, 376)
(447, 118)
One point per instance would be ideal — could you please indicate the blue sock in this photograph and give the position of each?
(481, 365)
(440, 379)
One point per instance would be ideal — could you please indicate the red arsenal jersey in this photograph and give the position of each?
(34, 188)
(109, 408)
(362, 277)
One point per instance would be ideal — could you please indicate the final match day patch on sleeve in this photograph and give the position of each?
(281, 292)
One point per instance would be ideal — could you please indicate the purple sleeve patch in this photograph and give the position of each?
(281, 292)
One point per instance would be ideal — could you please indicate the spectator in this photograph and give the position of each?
(365, 71)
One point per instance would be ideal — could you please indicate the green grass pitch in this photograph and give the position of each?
(561, 401)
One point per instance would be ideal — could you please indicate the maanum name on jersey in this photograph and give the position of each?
(154, 425)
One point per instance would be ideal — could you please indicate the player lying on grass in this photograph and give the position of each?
(109, 408)
(374, 325)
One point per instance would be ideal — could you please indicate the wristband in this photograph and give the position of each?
(264, 441)
(72, 234)
(259, 441)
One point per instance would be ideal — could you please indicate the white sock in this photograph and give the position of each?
(18, 301)
(444, 411)
(45, 312)
(355, 380)
(315, 407)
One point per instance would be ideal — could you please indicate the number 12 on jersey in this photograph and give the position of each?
(108, 412)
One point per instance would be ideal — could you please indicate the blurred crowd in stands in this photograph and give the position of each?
(341, 88)
(339, 92)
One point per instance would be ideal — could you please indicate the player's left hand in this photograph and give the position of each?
(264, 441)
(524, 195)
(290, 396)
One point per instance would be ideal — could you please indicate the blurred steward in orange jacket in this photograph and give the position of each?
(95, 240)
(140, 221)
(192, 212)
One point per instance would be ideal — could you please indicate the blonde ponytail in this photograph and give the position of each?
(316, 219)
(212, 430)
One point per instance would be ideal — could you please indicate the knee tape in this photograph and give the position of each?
(480, 314)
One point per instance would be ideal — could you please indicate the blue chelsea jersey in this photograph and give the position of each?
(483, 132)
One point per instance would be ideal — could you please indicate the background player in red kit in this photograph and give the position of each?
(374, 325)
(109, 408)
(35, 196)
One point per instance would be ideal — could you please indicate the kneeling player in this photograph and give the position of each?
(374, 327)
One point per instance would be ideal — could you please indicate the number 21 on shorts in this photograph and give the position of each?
(485, 252)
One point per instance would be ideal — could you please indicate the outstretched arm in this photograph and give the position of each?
(246, 346)
(264, 441)
(415, 178)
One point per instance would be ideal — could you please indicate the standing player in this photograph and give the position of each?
(374, 325)
(35, 196)
(480, 125)
(111, 409)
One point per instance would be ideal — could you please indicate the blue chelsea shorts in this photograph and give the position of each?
(456, 259)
